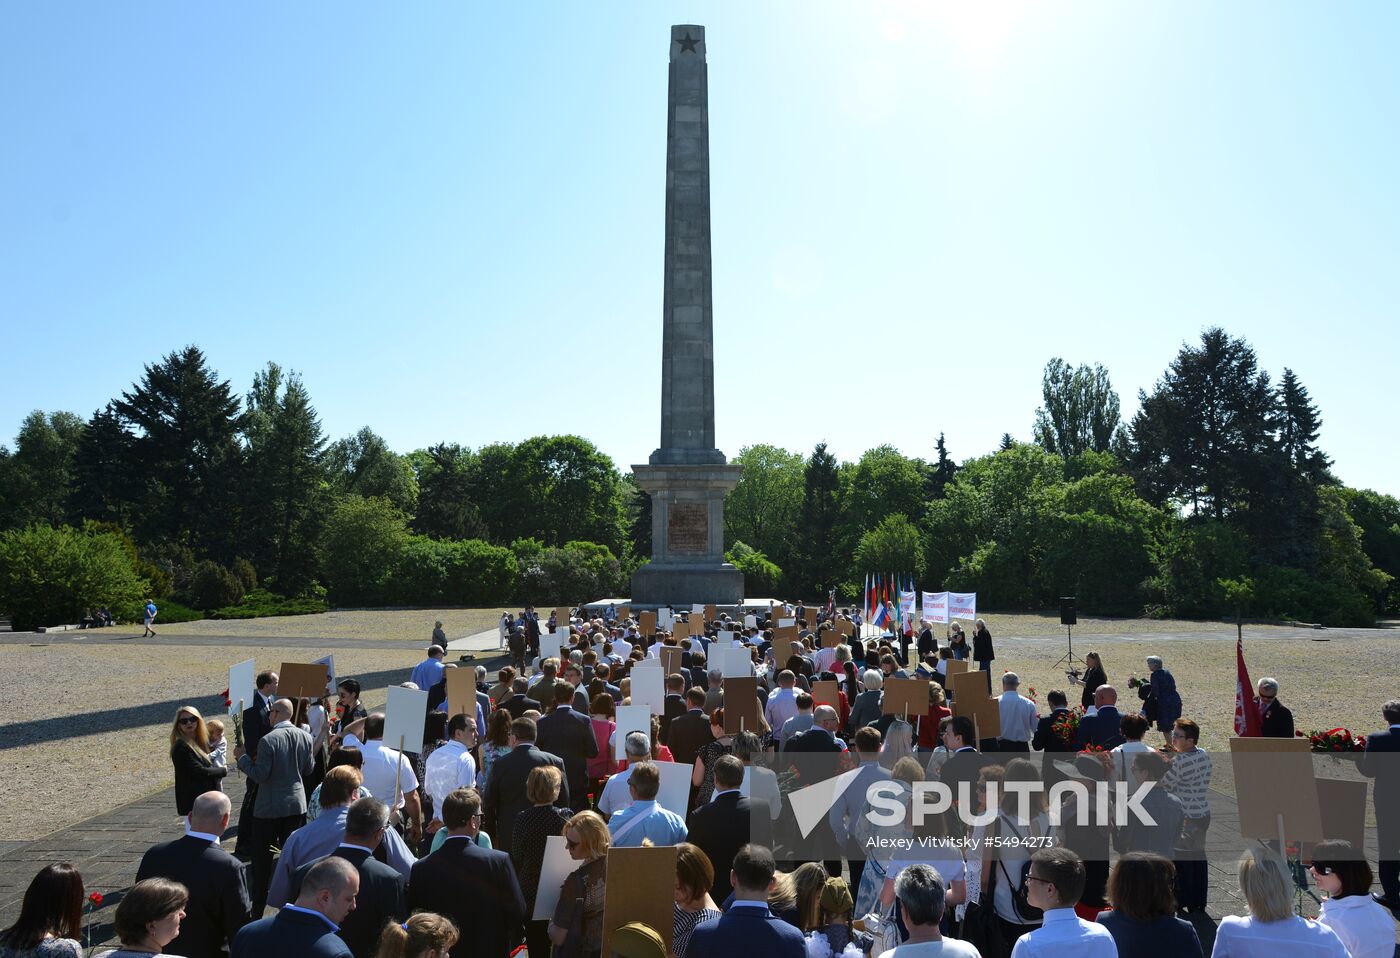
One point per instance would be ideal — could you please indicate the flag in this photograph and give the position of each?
(881, 614)
(1246, 714)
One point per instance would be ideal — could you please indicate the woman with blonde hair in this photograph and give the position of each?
(533, 827)
(195, 771)
(578, 918)
(425, 935)
(1271, 927)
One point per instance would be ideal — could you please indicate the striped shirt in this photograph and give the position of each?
(1188, 779)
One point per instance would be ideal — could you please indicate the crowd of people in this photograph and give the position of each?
(365, 850)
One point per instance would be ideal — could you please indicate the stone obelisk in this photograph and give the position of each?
(687, 476)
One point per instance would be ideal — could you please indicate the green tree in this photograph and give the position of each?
(636, 515)
(1299, 425)
(1204, 436)
(1378, 517)
(445, 506)
(553, 488)
(894, 545)
(364, 465)
(818, 565)
(287, 489)
(38, 477)
(1081, 410)
(941, 472)
(186, 422)
(762, 577)
(363, 543)
(764, 507)
(52, 575)
(105, 486)
(882, 483)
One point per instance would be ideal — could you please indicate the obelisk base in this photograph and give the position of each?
(687, 536)
(680, 586)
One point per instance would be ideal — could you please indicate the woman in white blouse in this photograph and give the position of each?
(1365, 927)
(1271, 929)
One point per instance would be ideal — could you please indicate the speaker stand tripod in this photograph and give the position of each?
(1069, 657)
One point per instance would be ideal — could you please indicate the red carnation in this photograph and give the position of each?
(96, 899)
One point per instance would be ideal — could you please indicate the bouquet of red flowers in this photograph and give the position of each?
(1066, 727)
(1134, 681)
(1336, 740)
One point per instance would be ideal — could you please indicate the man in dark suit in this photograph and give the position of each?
(255, 726)
(219, 902)
(690, 731)
(476, 887)
(965, 763)
(306, 929)
(1381, 761)
(674, 704)
(820, 739)
(727, 823)
(1048, 742)
(505, 786)
(1045, 739)
(569, 735)
(1275, 720)
(382, 896)
(748, 927)
(1103, 729)
(284, 760)
(518, 702)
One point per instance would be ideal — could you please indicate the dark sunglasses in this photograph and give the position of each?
(1323, 869)
(188, 720)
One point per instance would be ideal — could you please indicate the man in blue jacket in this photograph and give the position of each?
(1102, 729)
(748, 927)
(307, 928)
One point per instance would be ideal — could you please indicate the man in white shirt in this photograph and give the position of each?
(616, 795)
(1054, 884)
(919, 889)
(622, 649)
(450, 766)
(824, 658)
(782, 704)
(1018, 716)
(381, 764)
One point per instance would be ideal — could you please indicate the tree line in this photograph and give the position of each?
(1213, 499)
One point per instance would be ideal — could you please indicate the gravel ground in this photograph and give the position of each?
(87, 726)
(87, 729)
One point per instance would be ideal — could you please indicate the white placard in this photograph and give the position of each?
(962, 605)
(665, 620)
(242, 683)
(736, 663)
(935, 607)
(750, 621)
(697, 608)
(745, 788)
(674, 794)
(725, 637)
(783, 623)
(558, 865)
(549, 646)
(630, 718)
(649, 686)
(329, 662)
(404, 716)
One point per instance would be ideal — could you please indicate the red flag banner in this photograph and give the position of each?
(1246, 712)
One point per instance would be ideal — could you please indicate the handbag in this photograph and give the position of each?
(1026, 913)
(980, 927)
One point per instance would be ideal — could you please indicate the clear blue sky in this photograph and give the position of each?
(448, 216)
